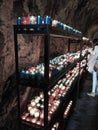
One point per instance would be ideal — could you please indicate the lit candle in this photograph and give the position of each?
(38, 122)
(42, 115)
(49, 117)
(32, 112)
(23, 117)
(36, 100)
(37, 113)
(33, 120)
(38, 104)
(41, 95)
(33, 103)
(29, 107)
(28, 119)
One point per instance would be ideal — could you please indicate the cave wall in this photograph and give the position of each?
(80, 14)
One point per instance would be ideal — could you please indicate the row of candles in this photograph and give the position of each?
(67, 109)
(32, 20)
(35, 109)
(56, 125)
(56, 65)
(56, 23)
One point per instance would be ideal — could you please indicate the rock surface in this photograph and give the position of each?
(80, 14)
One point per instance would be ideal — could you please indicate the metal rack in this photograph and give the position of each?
(47, 31)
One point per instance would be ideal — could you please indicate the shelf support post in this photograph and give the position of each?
(78, 84)
(17, 75)
(46, 76)
(69, 45)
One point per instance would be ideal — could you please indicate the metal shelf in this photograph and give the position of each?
(53, 80)
(47, 31)
(42, 29)
(57, 113)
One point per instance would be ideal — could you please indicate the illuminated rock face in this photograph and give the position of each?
(80, 14)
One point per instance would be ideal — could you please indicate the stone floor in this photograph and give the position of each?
(85, 115)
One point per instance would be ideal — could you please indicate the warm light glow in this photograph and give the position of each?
(37, 114)
(68, 109)
(33, 103)
(56, 94)
(32, 111)
(33, 120)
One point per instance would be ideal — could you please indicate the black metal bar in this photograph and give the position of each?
(46, 76)
(78, 84)
(68, 45)
(54, 31)
(17, 74)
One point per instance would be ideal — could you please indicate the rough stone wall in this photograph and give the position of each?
(80, 14)
(6, 42)
(29, 46)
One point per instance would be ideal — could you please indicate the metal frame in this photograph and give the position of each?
(46, 31)
(17, 75)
